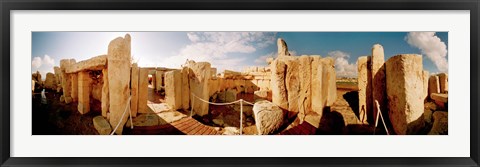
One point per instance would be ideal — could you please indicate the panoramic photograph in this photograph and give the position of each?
(239, 83)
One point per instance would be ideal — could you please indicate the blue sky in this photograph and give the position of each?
(237, 50)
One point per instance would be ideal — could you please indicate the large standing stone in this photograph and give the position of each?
(317, 81)
(279, 90)
(66, 80)
(134, 92)
(292, 82)
(105, 95)
(186, 88)
(364, 82)
(378, 79)
(74, 79)
(268, 117)
(119, 57)
(58, 73)
(84, 91)
(405, 93)
(199, 76)
(305, 99)
(329, 79)
(443, 82)
(282, 48)
(433, 84)
(173, 89)
(158, 80)
(142, 90)
(50, 81)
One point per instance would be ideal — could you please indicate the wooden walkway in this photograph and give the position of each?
(303, 129)
(185, 126)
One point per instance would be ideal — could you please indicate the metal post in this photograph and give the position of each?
(241, 116)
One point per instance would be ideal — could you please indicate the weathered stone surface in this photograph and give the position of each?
(292, 82)
(262, 95)
(230, 95)
(405, 92)
(317, 84)
(66, 80)
(173, 89)
(101, 125)
(282, 48)
(441, 99)
(97, 91)
(199, 76)
(329, 85)
(313, 119)
(169, 117)
(74, 80)
(142, 90)
(433, 84)
(186, 88)
(119, 61)
(247, 109)
(440, 123)
(50, 81)
(213, 72)
(105, 96)
(231, 131)
(305, 95)
(268, 117)
(364, 82)
(84, 91)
(58, 74)
(94, 63)
(378, 79)
(158, 80)
(149, 119)
(443, 82)
(279, 89)
(135, 72)
(425, 84)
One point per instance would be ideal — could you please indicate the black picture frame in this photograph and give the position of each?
(8, 5)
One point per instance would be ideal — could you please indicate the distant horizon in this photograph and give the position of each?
(238, 50)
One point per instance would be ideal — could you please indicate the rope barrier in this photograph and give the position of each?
(379, 113)
(121, 118)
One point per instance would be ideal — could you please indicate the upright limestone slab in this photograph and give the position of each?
(143, 90)
(282, 48)
(134, 92)
(292, 82)
(378, 79)
(433, 84)
(443, 82)
(105, 94)
(364, 94)
(74, 79)
(119, 57)
(405, 93)
(305, 73)
(159, 80)
(279, 89)
(317, 80)
(329, 79)
(66, 79)
(173, 89)
(199, 76)
(84, 89)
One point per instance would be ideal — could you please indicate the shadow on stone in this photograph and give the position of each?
(331, 123)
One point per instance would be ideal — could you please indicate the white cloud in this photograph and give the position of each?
(431, 46)
(36, 62)
(263, 59)
(48, 61)
(342, 67)
(215, 47)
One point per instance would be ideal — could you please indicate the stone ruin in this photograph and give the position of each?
(401, 87)
(302, 87)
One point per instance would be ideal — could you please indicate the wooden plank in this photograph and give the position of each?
(201, 131)
(179, 121)
(186, 124)
(192, 128)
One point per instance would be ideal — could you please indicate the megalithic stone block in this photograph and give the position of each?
(364, 88)
(173, 89)
(105, 94)
(378, 79)
(134, 89)
(405, 93)
(199, 75)
(143, 90)
(279, 89)
(119, 62)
